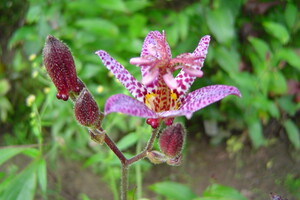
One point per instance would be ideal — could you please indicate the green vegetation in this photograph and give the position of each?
(255, 47)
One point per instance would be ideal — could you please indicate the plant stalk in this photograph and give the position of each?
(125, 163)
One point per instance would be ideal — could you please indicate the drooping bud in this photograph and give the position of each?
(156, 157)
(60, 66)
(86, 110)
(171, 140)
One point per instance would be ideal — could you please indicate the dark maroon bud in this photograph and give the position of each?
(86, 110)
(156, 157)
(60, 66)
(153, 122)
(171, 140)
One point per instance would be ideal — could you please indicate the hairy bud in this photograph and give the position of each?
(156, 157)
(60, 66)
(86, 110)
(171, 140)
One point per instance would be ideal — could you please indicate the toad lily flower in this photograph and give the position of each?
(160, 96)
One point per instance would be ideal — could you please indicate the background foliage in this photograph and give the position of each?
(255, 47)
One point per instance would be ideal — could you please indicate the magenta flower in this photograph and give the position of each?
(160, 96)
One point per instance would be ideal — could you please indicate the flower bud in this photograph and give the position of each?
(86, 110)
(156, 157)
(60, 66)
(171, 140)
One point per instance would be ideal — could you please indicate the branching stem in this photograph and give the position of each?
(125, 163)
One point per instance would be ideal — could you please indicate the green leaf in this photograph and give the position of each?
(135, 5)
(220, 192)
(278, 83)
(117, 5)
(256, 134)
(9, 152)
(22, 34)
(286, 103)
(4, 87)
(98, 26)
(127, 141)
(33, 14)
(174, 191)
(183, 25)
(42, 175)
(227, 59)
(220, 23)
(260, 46)
(290, 56)
(293, 133)
(278, 31)
(23, 185)
(290, 15)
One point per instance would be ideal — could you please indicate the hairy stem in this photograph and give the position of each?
(148, 147)
(125, 163)
(124, 181)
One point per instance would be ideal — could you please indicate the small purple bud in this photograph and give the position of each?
(86, 110)
(156, 157)
(171, 140)
(60, 66)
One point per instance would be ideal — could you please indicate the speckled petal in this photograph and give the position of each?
(137, 89)
(201, 98)
(184, 80)
(150, 76)
(156, 46)
(205, 96)
(128, 105)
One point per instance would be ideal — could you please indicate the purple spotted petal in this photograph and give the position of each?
(155, 44)
(155, 47)
(184, 80)
(201, 98)
(205, 96)
(137, 89)
(128, 105)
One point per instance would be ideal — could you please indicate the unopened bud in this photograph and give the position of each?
(156, 157)
(171, 140)
(60, 66)
(86, 110)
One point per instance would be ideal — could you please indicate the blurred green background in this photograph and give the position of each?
(255, 46)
